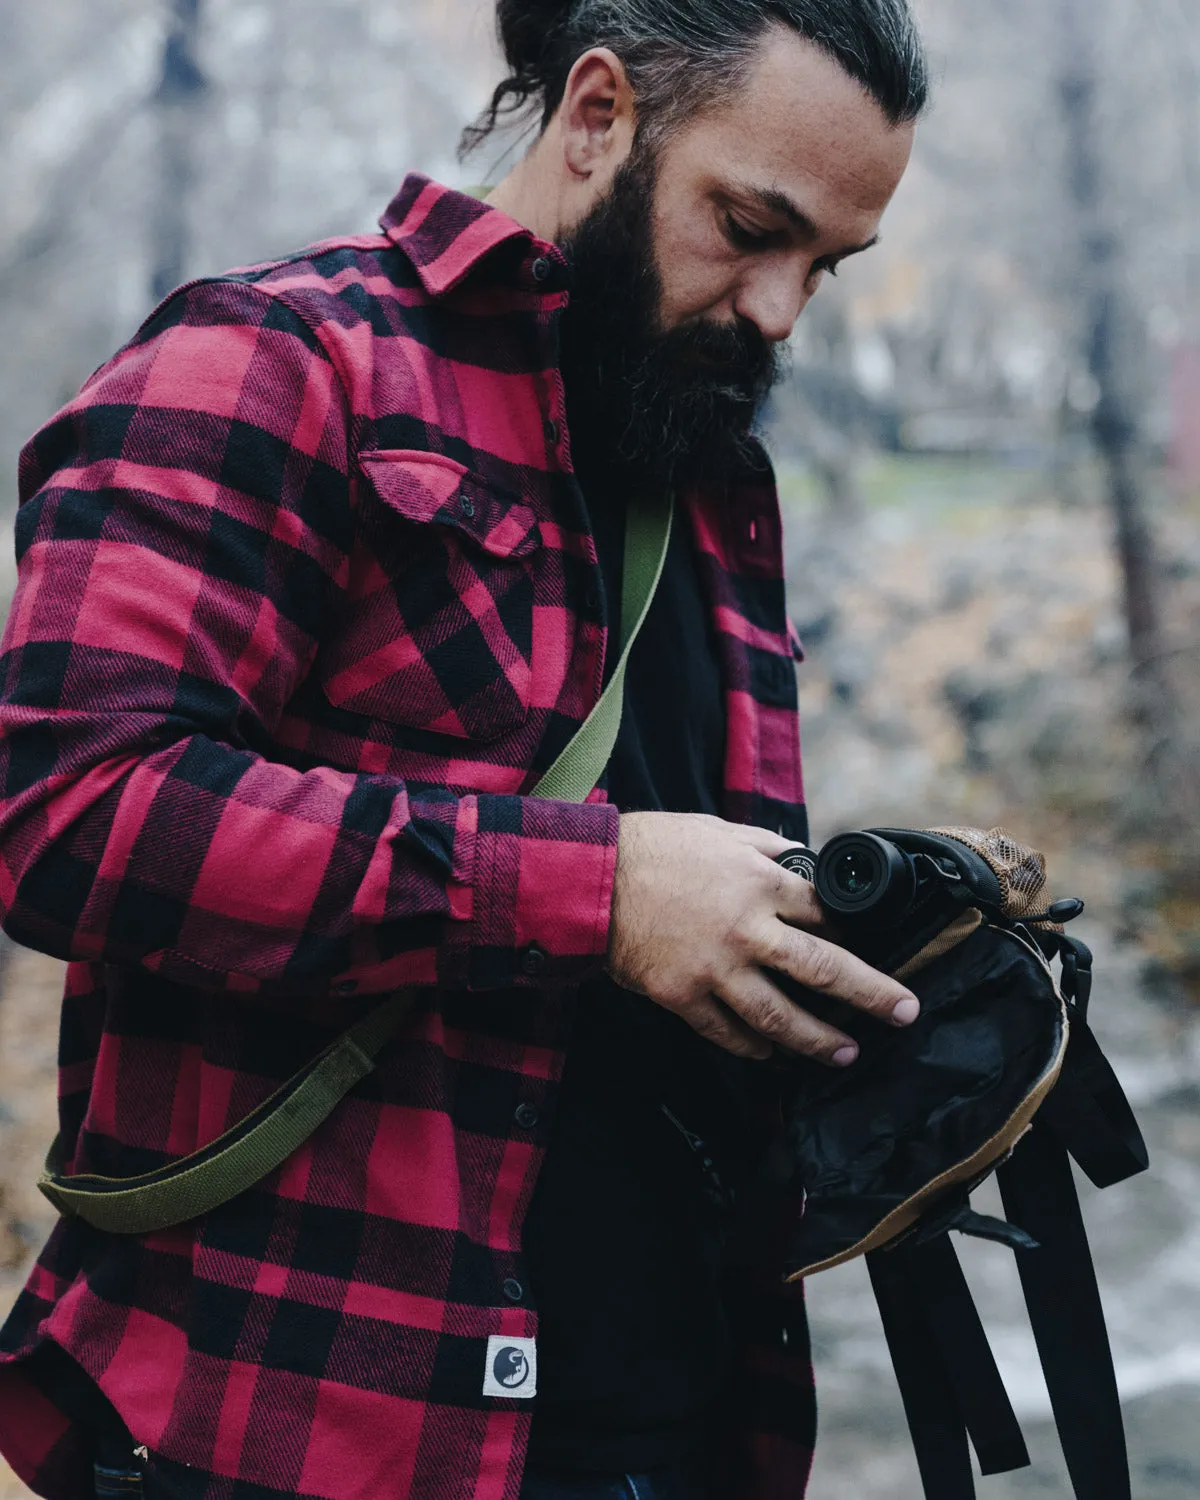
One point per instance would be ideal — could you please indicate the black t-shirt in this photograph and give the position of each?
(623, 1238)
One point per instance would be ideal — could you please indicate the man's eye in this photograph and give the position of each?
(830, 267)
(741, 237)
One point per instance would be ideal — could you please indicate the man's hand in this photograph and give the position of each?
(700, 911)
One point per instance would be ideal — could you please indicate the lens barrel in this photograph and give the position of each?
(861, 875)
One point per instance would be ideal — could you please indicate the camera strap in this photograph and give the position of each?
(581, 765)
(255, 1146)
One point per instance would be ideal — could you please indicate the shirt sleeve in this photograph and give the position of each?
(183, 543)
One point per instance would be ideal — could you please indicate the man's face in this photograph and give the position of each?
(695, 265)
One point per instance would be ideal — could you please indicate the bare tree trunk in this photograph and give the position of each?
(1113, 341)
(180, 91)
(1168, 797)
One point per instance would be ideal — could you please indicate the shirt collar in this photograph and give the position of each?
(446, 234)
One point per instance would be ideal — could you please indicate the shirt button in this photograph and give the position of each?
(466, 505)
(527, 1116)
(541, 268)
(550, 428)
(345, 987)
(513, 1289)
(533, 960)
(591, 597)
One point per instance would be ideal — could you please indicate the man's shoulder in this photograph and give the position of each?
(345, 282)
(344, 294)
(346, 279)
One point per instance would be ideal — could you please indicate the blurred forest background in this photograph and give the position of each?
(989, 450)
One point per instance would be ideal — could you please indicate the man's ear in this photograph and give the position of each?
(596, 117)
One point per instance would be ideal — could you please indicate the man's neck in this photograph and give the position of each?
(527, 195)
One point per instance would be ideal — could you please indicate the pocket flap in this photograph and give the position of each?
(429, 489)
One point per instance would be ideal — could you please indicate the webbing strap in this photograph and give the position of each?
(938, 1431)
(582, 763)
(257, 1145)
(959, 1337)
(1067, 1316)
(944, 1366)
(1088, 1111)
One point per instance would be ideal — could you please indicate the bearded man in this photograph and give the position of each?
(318, 576)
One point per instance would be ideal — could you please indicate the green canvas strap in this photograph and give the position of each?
(256, 1145)
(581, 765)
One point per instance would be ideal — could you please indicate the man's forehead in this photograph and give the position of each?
(802, 128)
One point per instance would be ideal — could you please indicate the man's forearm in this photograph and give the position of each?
(214, 866)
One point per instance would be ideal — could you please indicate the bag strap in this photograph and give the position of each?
(1066, 1314)
(944, 1367)
(257, 1145)
(1089, 1114)
(581, 765)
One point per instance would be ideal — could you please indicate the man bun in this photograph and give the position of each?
(526, 29)
(533, 37)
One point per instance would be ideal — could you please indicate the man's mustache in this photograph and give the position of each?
(736, 354)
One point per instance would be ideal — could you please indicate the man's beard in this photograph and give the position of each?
(654, 409)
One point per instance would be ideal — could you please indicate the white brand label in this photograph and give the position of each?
(511, 1368)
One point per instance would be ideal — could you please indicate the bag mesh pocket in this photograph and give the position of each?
(1020, 870)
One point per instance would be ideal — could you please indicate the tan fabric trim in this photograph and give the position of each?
(956, 932)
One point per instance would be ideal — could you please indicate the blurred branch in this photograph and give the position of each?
(182, 85)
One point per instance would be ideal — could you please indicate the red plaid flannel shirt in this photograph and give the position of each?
(307, 601)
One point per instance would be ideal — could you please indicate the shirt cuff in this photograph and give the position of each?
(539, 904)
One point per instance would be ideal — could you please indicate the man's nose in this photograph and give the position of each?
(772, 300)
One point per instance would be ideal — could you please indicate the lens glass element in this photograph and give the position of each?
(855, 874)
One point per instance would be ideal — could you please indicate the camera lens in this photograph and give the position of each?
(854, 875)
(863, 875)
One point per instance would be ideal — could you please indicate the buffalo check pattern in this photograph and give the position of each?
(307, 601)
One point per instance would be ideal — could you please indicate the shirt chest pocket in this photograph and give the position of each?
(438, 633)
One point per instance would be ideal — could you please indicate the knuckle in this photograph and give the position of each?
(822, 968)
(745, 933)
(712, 1027)
(772, 1022)
(783, 953)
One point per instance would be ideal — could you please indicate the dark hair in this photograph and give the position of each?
(672, 49)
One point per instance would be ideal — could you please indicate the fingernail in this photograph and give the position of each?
(906, 1012)
(844, 1056)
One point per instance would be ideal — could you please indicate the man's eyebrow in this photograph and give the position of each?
(777, 202)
